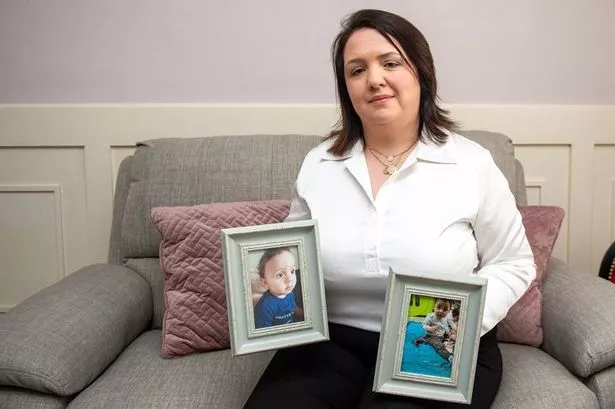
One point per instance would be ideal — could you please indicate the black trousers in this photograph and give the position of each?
(338, 374)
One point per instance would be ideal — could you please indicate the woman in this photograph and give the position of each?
(394, 186)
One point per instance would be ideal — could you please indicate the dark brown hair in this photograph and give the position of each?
(446, 300)
(432, 119)
(268, 255)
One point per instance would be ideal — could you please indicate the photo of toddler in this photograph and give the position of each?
(277, 273)
(429, 346)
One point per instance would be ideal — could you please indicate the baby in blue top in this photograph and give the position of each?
(277, 270)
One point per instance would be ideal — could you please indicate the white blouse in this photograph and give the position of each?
(448, 209)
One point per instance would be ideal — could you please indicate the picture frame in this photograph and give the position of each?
(274, 286)
(415, 357)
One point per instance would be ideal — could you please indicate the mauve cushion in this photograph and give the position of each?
(196, 317)
(523, 323)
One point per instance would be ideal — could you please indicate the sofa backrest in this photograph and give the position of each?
(187, 171)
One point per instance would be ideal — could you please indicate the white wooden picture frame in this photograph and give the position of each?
(242, 249)
(413, 360)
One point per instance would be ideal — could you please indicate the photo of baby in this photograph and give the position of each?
(276, 288)
(429, 347)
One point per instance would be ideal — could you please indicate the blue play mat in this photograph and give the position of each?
(422, 359)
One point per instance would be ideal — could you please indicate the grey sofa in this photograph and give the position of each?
(93, 339)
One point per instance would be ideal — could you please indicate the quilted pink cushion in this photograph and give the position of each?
(523, 323)
(196, 319)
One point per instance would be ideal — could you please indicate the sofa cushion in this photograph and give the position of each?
(502, 150)
(532, 379)
(24, 398)
(196, 317)
(141, 378)
(150, 270)
(523, 323)
(601, 384)
(520, 191)
(190, 171)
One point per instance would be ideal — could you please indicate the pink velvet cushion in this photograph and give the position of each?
(523, 323)
(196, 318)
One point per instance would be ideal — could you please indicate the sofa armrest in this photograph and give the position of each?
(60, 339)
(578, 319)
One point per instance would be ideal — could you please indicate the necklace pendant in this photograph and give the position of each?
(389, 170)
(390, 158)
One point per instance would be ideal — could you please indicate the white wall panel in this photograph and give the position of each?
(61, 166)
(534, 194)
(31, 243)
(547, 175)
(604, 202)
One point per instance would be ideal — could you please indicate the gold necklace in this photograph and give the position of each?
(390, 167)
(390, 158)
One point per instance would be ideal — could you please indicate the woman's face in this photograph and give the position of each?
(382, 87)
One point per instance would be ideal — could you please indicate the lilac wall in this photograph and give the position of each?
(523, 51)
